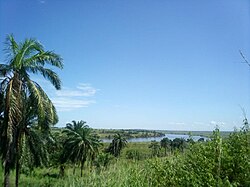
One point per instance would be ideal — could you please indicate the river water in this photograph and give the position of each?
(170, 136)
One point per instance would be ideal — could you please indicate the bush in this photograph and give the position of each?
(133, 154)
(213, 163)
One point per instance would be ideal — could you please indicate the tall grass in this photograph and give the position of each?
(119, 174)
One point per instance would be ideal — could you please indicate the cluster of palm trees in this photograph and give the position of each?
(26, 112)
(168, 145)
(177, 143)
(81, 144)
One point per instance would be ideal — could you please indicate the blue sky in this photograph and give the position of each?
(142, 63)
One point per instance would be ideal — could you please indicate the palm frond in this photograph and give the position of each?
(4, 70)
(12, 109)
(37, 96)
(47, 74)
(45, 109)
(37, 146)
(11, 47)
(52, 58)
(44, 57)
(26, 49)
(51, 114)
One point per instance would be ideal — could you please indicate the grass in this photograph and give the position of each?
(120, 173)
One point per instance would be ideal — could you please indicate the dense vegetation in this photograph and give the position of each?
(75, 156)
(218, 162)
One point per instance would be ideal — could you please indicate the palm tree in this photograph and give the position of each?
(155, 146)
(31, 137)
(117, 144)
(80, 143)
(165, 143)
(178, 143)
(23, 59)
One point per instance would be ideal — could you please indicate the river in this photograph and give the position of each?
(170, 136)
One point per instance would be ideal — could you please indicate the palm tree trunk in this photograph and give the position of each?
(74, 169)
(82, 164)
(17, 158)
(62, 170)
(81, 168)
(7, 171)
(17, 164)
(17, 171)
(6, 177)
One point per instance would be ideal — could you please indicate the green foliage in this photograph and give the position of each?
(133, 154)
(214, 163)
(178, 143)
(218, 162)
(155, 148)
(80, 143)
(236, 157)
(137, 151)
(103, 160)
(117, 144)
(166, 144)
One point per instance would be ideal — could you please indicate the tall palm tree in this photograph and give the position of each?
(80, 143)
(165, 143)
(23, 59)
(117, 144)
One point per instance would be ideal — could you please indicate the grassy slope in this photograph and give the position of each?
(120, 172)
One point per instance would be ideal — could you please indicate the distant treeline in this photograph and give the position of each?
(128, 133)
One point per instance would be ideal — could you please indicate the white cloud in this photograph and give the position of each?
(68, 104)
(82, 90)
(42, 1)
(69, 99)
(88, 89)
(177, 123)
(220, 124)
